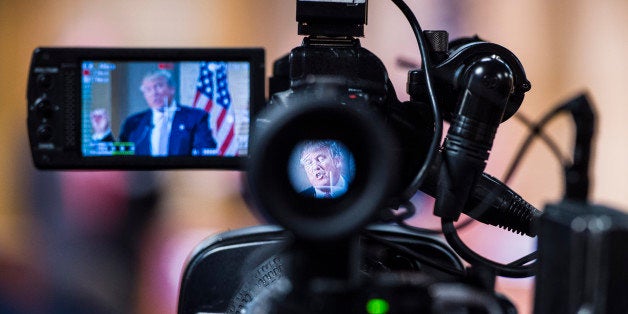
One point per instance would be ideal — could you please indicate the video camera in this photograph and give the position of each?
(333, 157)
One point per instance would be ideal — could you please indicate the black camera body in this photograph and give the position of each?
(333, 159)
(262, 262)
(582, 267)
(330, 89)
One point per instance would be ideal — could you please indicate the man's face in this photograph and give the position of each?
(321, 168)
(157, 92)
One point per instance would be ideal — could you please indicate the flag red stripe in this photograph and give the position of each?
(227, 141)
(221, 118)
(208, 106)
(198, 94)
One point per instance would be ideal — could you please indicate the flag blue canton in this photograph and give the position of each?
(205, 80)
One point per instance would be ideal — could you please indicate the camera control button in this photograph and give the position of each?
(45, 132)
(43, 107)
(44, 81)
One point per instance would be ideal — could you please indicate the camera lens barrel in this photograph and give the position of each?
(324, 118)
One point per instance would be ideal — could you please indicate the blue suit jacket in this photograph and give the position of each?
(309, 192)
(190, 131)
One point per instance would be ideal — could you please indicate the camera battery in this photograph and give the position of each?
(583, 259)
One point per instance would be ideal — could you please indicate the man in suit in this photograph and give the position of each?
(323, 165)
(165, 128)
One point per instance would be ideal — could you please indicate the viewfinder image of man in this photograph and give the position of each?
(324, 166)
(166, 128)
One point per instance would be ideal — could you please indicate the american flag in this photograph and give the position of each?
(212, 95)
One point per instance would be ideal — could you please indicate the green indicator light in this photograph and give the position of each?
(377, 306)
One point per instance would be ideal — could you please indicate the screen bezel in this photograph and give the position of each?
(254, 56)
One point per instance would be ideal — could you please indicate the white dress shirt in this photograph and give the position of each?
(160, 133)
(336, 190)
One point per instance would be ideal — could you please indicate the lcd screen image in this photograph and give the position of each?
(160, 109)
